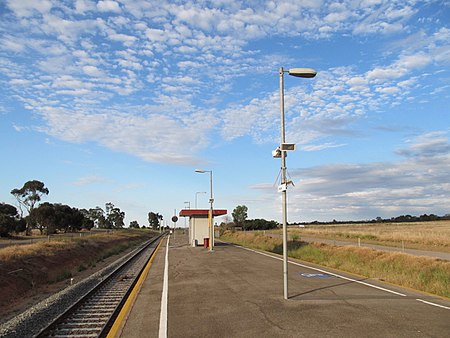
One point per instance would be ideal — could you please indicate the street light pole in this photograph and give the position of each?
(284, 188)
(298, 72)
(210, 214)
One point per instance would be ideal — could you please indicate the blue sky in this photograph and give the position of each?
(120, 101)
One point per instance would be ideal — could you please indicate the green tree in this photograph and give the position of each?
(44, 218)
(50, 218)
(239, 215)
(28, 196)
(97, 215)
(154, 220)
(260, 224)
(134, 225)
(9, 220)
(88, 223)
(111, 217)
(114, 217)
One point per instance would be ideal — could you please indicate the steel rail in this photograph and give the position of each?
(94, 314)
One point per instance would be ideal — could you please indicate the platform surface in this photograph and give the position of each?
(235, 292)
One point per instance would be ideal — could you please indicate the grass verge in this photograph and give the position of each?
(434, 236)
(28, 269)
(420, 273)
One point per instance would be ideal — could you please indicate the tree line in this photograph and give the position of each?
(240, 221)
(50, 218)
(397, 219)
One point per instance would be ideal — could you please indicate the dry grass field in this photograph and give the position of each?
(433, 236)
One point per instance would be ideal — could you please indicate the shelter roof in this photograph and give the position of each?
(201, 212)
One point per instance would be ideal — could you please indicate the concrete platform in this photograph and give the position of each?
(234, 292)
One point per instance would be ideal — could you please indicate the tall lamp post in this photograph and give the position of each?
(298, 72)
(211, 201)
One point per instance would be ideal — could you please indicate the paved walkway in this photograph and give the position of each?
(236, 292)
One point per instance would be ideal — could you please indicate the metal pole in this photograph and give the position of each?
(284, 188)
(211, 200)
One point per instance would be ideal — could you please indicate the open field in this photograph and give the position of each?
(29, 272)
(419, 273)
(433, 236)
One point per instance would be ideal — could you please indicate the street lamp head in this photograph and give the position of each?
(302, 72)
(202, 171)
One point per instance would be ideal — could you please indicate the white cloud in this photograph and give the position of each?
(29, 7)
(336, 17)
(54, 65)
(155, 34)
(183, 51)
(127, 40)
(428, 145)
(92, 71)
(74, 92)
(19, 128)
(203, 18)
(19, 82)
(108, 6)
(381, 74)
(67, 81)
(355, 191)
(170, 141)
(323, 146)
(9, 43)
(82, 6)
(411, 62)
(388, 90)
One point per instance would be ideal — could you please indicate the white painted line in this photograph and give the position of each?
(164, 298)
(327, 272)
(434, 304)
(351, 279)
(339, 276)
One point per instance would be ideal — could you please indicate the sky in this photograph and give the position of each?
(121, 101)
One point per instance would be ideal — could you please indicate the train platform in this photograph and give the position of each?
(236, 292)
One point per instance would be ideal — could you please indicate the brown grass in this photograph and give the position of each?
(51, 248)
(27, 270)
(433, 236)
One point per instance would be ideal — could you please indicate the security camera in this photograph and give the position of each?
(276, 153)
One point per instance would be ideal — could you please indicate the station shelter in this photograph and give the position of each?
(198, 224)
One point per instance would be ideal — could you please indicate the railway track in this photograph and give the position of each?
(94, 314)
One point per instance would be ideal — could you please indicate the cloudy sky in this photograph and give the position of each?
(120, 101)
